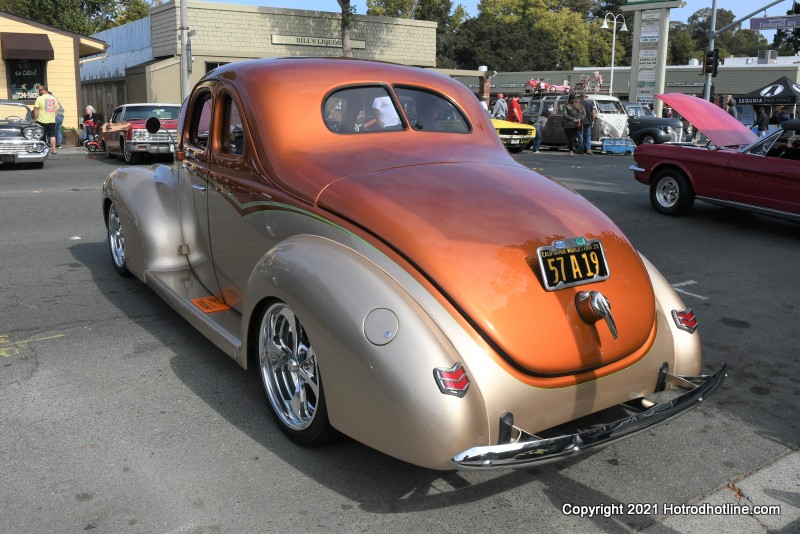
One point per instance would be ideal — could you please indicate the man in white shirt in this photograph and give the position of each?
(385, 113)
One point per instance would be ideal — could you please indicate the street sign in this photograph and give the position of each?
(775, 23)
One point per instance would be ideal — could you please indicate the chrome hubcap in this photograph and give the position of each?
(116, 239)
(667, 192)
(288, 367)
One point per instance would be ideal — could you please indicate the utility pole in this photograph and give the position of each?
(711, 34)
(185, 59)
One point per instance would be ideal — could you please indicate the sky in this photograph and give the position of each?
(739, 7)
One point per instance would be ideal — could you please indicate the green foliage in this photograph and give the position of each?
(84, 17)
(787, 41)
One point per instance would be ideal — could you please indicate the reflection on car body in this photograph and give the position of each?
(412, 287)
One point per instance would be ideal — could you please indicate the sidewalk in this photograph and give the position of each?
(71, 152)
(776, 485)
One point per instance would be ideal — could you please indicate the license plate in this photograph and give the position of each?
(515, 141)
(572, 262)
(171, 147)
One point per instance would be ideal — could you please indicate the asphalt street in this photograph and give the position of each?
(117, 416)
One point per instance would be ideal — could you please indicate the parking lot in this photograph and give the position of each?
(119, 417)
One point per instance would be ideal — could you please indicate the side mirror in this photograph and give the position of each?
(153, 125)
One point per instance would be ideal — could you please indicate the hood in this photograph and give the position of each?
(716, 123)
(473, 231)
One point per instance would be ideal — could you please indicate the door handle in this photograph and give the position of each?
(198, 187)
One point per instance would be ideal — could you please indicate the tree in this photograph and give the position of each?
(84, 17)
(787, 41)
(682, 47)
(347, 19)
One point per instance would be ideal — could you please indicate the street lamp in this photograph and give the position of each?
(624, 28)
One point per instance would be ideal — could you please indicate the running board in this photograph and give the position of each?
(179, 289)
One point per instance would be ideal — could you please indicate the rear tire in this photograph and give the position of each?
(290, 377)
(671, 193)
(109, 155)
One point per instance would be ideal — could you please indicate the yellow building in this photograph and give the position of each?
(36, 54)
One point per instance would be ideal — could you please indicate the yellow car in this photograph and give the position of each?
(514, 135)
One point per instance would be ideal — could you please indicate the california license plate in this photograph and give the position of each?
(572, 262)
(515, 141)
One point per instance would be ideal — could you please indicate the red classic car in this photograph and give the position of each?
(401, 280)
(735, 168)
(125, 133)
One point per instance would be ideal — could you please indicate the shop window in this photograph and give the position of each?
(211, 65)
(24, 78)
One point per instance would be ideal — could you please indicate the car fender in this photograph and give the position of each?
(382, 391)
(148, 210)
(685, 346)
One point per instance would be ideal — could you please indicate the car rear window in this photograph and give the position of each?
(375, 109)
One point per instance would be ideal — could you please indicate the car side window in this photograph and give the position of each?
(430, 111)
(233, 136)
(117, 115)
(200, 120)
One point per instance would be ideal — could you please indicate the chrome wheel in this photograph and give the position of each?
(116, 241)
(130, 157)
(288, 368)
(648, 140)
(667, 192)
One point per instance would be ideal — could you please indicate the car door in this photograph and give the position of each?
(760, 177)
(193, 185)
(245, 210)
(110, 132)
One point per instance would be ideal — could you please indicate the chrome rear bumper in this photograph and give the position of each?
(539, 451)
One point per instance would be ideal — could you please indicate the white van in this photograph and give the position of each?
(611, 120)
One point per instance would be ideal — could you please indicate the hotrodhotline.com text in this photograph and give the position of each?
(609, 510)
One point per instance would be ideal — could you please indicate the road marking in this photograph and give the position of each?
(687, 283)
(9, 348)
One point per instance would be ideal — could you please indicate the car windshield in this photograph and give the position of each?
(609, 106)
(14, 112)
(145, 112)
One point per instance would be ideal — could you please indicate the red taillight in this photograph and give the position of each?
(685, 320)
(452, 381)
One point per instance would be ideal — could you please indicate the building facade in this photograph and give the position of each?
(143, 64)
(35, 54)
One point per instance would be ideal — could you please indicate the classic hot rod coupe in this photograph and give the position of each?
(401, 280)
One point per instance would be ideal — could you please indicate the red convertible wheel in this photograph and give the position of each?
(671, 193)
(290, 376)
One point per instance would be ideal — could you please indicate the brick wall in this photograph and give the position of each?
(246, 32)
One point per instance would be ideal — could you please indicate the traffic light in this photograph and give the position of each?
(711, 62)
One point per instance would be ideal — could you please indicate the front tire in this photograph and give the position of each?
(515, 149)
(671, 192)
(116, 241)
(290, 376)
(130, 157)
(647, 140)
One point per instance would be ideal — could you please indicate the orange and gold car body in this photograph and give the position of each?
(426, 238)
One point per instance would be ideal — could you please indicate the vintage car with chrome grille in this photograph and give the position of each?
(734, 168)
(514, 135)
(125, 134)
(401, 280)
(20, 137)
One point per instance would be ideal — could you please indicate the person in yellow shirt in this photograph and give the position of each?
(44, 111)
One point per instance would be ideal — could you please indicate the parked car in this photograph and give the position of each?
(410, 286)
(533, 106)
(21, 139)
(514, 135)
(736, 168)
(644, 128)
(610, 121)
(125, 133)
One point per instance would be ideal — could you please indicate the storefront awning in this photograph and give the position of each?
(26, 46)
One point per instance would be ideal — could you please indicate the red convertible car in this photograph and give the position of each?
(736, 168)
(401, 280)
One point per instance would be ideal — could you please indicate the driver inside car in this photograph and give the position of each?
(385, 113)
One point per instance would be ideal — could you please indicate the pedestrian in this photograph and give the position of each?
(732, 111)
(539, 124)
(514, 110)
(572, 122)
(44, 112)
(89, 123)
(762, 122)
(485, 103)
(588, 123)
(59, 121)
(782, 115)
(500, 108)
